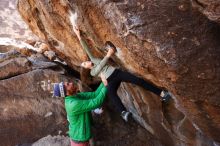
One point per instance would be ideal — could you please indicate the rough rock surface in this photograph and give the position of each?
(13, 67)
(28, 111)
(210, 8)
(170, 43)
(53, 141)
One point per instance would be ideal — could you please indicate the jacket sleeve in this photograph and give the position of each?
(87, 49)
(90, 95)
(95, 71)
(82, 106)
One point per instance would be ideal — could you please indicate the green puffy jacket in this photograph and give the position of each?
(78, 108)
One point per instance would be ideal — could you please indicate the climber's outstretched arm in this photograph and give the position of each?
(83, 43)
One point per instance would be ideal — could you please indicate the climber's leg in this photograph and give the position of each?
(128, 77)
(113, 84)
(112, 93)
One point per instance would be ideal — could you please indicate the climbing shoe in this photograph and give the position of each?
(165, 96)
(125, 115)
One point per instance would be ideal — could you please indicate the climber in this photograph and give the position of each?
(78, 108)
(115, 76)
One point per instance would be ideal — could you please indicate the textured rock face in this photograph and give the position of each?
(211, 8)
(13, 66)
(28, 111)
(54, 141)
(166, 42)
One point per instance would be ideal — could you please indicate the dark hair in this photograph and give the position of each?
(85, 76)
(110, 44)
(74, 84)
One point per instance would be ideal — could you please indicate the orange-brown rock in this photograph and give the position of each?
(168, 43)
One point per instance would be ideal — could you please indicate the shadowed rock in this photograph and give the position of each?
(210, 8)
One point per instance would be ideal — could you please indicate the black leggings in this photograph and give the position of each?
(118, 76)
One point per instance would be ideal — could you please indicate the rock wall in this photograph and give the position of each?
(54, 141)
(27, 109)
(210, 8)
(169, 43)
